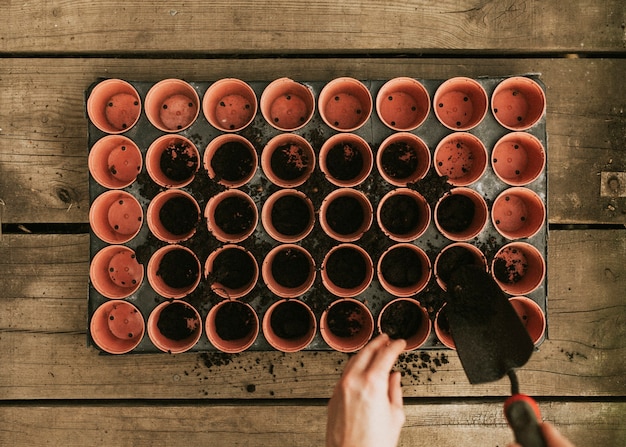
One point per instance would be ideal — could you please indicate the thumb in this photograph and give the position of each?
(395, 389)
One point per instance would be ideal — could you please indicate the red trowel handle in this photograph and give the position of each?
(523, 415)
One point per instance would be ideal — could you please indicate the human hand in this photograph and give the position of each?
(552, 437)
(366, 409)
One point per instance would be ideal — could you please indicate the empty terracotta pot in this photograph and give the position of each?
(346, 325)
(287, 105)
(531, 315)
(405, 318)
(172, 105)
(172, 161)
(518, 268)
(518, 158)
(174, 271)
(232, 271)
(442, 328)
(346, 159)
(461, 214)
(288, 160)
(461, 157)
(346, 214)
(460, 103)
(231, 216)
(229, 105)
(174, 326)
(231, 160)
(288, 270)
(518, 213)
(115, 272)
(114, 106)
(403, 214)
(288, 215)
(173, 215)
(402, 104)
(115, 217)
(115, 161)
(345, 104)
(347, 270)
(403, 270)
(518, 103)
(289, 325)
(403, 158)
(454, 256)
(117, 327)
(232, 326)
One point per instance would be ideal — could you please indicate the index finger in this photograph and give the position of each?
(385, 357)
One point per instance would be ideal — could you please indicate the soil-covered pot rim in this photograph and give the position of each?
(222, 290)
(281, 140)
(153, 156)
(231, 346)
(217, 143)
(283, 344)
(168, 345)
(102, 333)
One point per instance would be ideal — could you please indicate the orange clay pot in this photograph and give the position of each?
(402, 104)
(518, 103)
(345, 104)
(229, 105)
(114, 106)
(460, 103)
(354, 321)
(461, 157)
(115, 161)
(117, 327)
(115, 217)
(287, 105)
(115, 272)
(172, 105)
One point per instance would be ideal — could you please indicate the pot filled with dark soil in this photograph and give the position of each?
(232, 326)
(403, 158)
(174, 326)
(174, 271)
(231, 271)
(454, 256)
(347, 270)
(405, 318)
(173, 215)
(347, 325)
(518, 268)
(172, 161)
(346, 214)
(461, 214)
(346, 159)
(231, 216)
(230, 160)
(403, 214)
(404, 270)
(289, 325)
(288, 215)
(442, 328)
(288, 160)
(288, 270)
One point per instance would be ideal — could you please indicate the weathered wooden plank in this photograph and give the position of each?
(43, 164)
(285, 425)
(43, 322)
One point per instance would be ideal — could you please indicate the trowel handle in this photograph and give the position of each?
(524, 417)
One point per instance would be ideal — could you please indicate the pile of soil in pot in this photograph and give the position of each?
(401, 267)
(456, 213)
(232, 268)
(345, 319)
(509, 272)
(291, 268)
(451, 259)
(179, 215)
(399, 160)
(400, 214)
(234, 321)
(177, 321)
(344, 161)
(234, 215)
(289, 162)
(290, 320)
(346, 268)
(177, 163)
(402, 319)
(345, 215)
(290, 215)
(178, 269)
(232, 161)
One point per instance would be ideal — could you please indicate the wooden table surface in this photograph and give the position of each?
(55, 390)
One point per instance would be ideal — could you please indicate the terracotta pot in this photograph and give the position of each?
(172, 105)
(174, 326)
(289, 325)
(229, 105)
(231, 160)
(518, 268)
(172, 161)
(403, 270)
(287, 105)
(454, 256)
(115, 272)
(288, 270)
(174, 271)
(288, 215)
(346, 159)
(405, 318)
(460, 103)
(531, 315)
(346, 214)
(173, 215)
(403, 214)
(114, 106)
(347, 270)
(518, 213)
(461, 214)
(346, 325)
(518, 158)
(518, 103)
(345, 104)
(232, 271)
(117, 327)
(232, 326)
(442, 328)
(402, 104)
(288, 160)
(231, 216)
(115, 161)
(115, 217)
(403, 158)
(461, 157)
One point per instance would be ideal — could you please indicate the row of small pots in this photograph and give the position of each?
(345, 104)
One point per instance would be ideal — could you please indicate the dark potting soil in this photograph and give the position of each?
(178, 269)
(176, 162)
(432, 186)
(402, 319)
(345, 319)
(233, 268)
(234, 321)
(509, 273)
(451, 259)
(177, 321)
(290, 320)
(290, 215)
(399, 160)
(234, 215)
(344, 161)
(232, 161)
(455, 213)
(346, 268)
(179, 215)
(345, 215)
(400, 214)
(290, 268)
(401, 267)
(289, 162)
